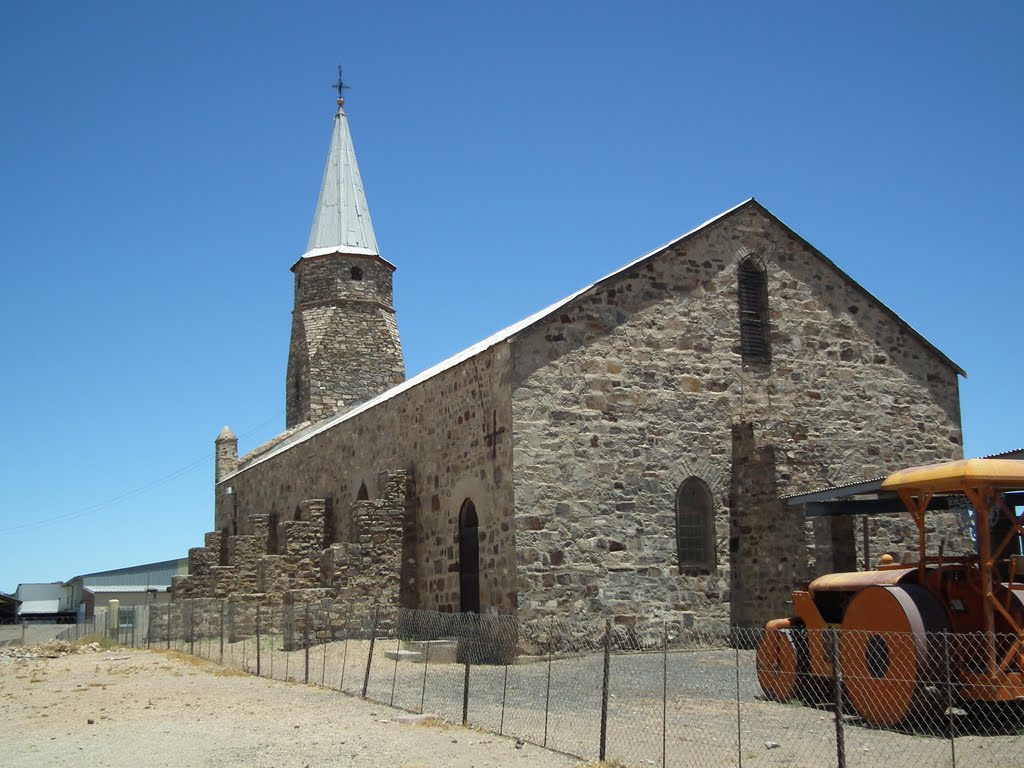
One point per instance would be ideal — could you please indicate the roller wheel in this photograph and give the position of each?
(781, 659)
(889, 663)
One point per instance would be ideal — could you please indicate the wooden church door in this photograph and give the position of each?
(469, 559)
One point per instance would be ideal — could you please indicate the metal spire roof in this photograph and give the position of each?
(342, 219)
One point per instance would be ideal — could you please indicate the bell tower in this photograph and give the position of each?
(344, 346)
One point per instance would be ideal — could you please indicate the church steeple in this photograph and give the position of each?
(344, 346)
(342, 219)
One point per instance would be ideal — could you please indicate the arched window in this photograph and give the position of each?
(469, 559)
(695, 525)
(755, 339)
(363, 494)
(357, 273)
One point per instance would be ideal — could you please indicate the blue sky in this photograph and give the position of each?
(159, 164)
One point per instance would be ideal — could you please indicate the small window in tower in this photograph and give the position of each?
(357, 273)
(755, 339)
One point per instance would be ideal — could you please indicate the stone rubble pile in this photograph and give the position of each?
(51, 649)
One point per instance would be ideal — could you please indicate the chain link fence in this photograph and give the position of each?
(663, 694)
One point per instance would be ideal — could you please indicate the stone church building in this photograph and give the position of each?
(622, 453)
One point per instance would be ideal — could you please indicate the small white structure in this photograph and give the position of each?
(44, 602)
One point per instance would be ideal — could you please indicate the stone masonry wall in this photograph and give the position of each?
(454, 429)
(636, 386)
(344, 346)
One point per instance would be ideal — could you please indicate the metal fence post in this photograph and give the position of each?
(222, 633)
(259, 645)
(305, 643)
(369, 657)
(272, 654)
(24, 625)
(323, 664)
(739, 715)
(192, 628)
(949, 698)
(394, 675)
(603, 749)
(837, 700)
(664, 693)
(135, 620)
(423, 689)
(168, 625)
(465, 695)
(344, 652)
(504, 693)
(547, 690)
(149, 627)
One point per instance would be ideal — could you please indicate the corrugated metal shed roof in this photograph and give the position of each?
(1016, 453)
(132, 588)
(146, 575)
(342, 219)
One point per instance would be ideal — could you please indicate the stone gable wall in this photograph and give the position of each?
(637, 385)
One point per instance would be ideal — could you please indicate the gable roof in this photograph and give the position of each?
(510, 333)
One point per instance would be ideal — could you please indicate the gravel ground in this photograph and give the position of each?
(168, 708)
(139, 709)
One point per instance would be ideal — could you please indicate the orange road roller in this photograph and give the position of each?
(914, 637)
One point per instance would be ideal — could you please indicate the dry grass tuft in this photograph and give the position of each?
(207, 666)
(104, 643)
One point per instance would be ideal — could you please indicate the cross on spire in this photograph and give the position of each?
(340, 85)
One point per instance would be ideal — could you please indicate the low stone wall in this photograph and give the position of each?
(340, 582)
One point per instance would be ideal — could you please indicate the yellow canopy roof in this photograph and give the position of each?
(1004, 474)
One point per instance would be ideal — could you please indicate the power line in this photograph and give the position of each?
(142, 489)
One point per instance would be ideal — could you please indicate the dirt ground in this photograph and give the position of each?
(140, 708)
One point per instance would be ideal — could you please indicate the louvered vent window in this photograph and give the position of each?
(755, 342)
(695, 525)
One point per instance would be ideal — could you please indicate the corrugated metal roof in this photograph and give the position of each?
(146, 575)
(836, 491)
(132, 588)
(873, 485)
(509, 333)
(342, 219)
(1016, 453)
